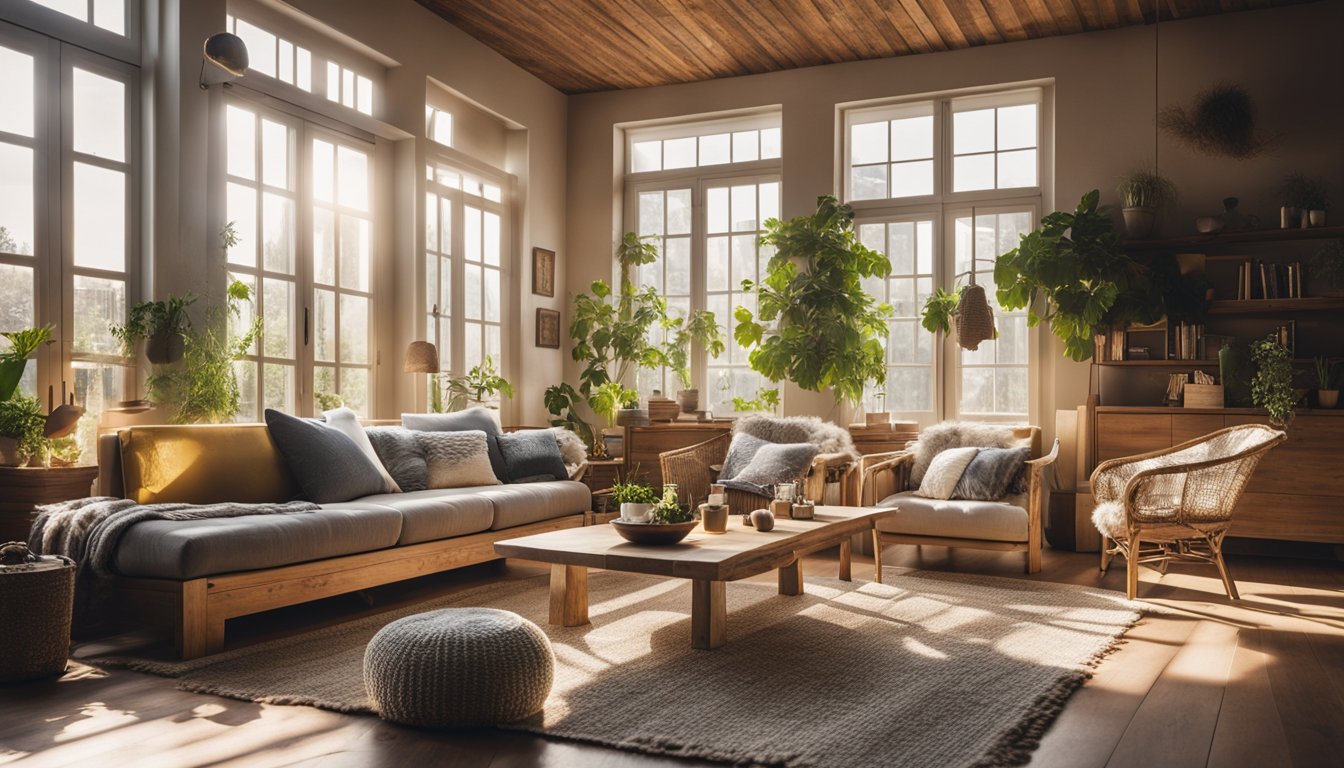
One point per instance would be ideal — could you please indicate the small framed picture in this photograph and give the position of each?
(543, 272)
(548, 328)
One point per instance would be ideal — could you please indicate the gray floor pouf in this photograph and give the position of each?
(459, 667)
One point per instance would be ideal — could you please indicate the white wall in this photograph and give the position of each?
(1289, 59)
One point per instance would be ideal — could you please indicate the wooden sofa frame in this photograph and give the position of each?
(882, 474)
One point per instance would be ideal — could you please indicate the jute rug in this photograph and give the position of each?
(929, 669)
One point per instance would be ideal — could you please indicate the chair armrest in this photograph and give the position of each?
(870, 459)
(579, 471)
(872, 474)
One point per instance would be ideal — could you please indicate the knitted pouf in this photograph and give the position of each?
(459, 667)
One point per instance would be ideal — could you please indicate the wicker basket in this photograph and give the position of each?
(35, 601)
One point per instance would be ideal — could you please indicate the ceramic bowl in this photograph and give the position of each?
(654, 533)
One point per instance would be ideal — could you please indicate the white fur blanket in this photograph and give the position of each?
(87, 530)
(828, 437)
(959, 434)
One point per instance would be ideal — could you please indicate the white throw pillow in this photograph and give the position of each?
(457, 459)
(347, 421)
(940, 479)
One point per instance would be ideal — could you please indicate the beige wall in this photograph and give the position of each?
(1289, 58)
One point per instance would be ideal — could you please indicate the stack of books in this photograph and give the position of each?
(1257, 279)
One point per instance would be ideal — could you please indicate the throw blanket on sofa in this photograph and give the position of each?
(87, 530)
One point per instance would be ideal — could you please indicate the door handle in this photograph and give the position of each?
(305, 326)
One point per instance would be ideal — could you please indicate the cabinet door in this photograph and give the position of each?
(1127, 434)
(1186, 427)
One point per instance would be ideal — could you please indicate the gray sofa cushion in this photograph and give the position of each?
(778, 463)
(532, 456)
(955, 518)
(402, 455)
(461, 421)
(741, 451)
(167, 549)
(990, 474)
(438, 514)
(328, 466)
(533, 502)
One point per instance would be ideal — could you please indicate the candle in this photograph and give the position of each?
(716, 499)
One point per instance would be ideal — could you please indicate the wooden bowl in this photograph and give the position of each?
(654, 533)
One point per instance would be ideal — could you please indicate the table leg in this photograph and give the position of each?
(791, 578)
(877, 556)
(709, 614)
(569, 595)
(845, 553)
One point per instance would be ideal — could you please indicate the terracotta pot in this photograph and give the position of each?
(164, 347)
(9, 452)
(1328, 398)
(1139, 222)
(689, 399)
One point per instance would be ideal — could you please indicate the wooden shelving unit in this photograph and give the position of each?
(1277, 306)
(1200, 242)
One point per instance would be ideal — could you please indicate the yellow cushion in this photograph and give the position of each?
(203, 464)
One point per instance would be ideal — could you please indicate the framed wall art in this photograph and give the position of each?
(548, 328)
(543, 272)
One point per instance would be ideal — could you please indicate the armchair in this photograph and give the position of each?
(1178, 500)
(1012, 524)
(695, 467)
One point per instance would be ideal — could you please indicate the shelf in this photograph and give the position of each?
(1259, 306)
(1161, 363)
(1233, 238)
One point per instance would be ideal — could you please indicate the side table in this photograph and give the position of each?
(22, 489)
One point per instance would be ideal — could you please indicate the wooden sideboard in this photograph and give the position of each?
(1297, 491)
(643, 444)
(22, 489)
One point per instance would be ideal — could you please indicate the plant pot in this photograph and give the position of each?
(1317, 218)
(9, 452)
(164, 347)
(1328, 398)
(632, 417)
(1287, 217)
(1139, 222)
(635, 513)
(689, 400)
(614, 445)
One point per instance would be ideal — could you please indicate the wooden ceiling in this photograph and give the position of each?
(596, 45)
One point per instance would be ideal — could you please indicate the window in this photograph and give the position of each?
(465, 266)
(274, 56)
(310, 265)
(68, 264)
(916, 174)
(702, 192)
(104, 14)
(439, 126)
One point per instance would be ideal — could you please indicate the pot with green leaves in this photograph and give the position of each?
(1327, 383)
(1142, 195)
(162, 325)
(636, 500)
(22, 426)
(1272, 384)
(481, 386)
(699, 327)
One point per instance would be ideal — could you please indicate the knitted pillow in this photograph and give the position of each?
(457, 459)
(990, 474)
(402, 455)
(479, 417)
(944, 471)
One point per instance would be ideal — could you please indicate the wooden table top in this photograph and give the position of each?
(737, 554)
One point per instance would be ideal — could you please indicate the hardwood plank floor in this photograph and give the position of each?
(1207, 682)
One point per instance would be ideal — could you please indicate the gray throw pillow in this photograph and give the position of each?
(402, 456)
(328, 466)
(778, 463)
(464, 421)
(741, 451)
(532, 456)
(991, 473)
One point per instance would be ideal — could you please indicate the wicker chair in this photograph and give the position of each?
(695, 467)
(1176, 504)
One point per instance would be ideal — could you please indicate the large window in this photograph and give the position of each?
(278, 57)
(701, 192)
(929, 180)
(68, 232)
(299, 198)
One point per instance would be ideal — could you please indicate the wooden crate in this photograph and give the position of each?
(1203, 396)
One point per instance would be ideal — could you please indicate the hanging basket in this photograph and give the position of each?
(975, 319)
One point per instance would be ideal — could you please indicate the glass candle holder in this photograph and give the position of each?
(784, 491)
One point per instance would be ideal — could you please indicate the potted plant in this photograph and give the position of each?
(21, 430)
(1327, 268)
(1078, 264)
(480, 386)
(1272, 384)
(815, 324)
(1327, 384)
(636, 500)
(161, 324)
(1305, 200)
(699, 327)
(1142, 195)
(607, 399)
(14, 360)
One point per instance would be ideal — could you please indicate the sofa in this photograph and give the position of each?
(198, 574)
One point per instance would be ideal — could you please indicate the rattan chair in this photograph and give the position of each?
(694, 467)
(1176, 503)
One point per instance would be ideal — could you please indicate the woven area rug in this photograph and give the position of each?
(927, 669)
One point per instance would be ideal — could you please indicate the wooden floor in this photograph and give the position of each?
(1259, 683)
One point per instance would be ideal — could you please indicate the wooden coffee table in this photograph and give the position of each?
(708, 560)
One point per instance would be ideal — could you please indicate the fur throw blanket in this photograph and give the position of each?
(828, 437)
(572, 450)
(87, 530)
(959, 434)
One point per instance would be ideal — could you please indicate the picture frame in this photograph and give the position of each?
(543, 272)
(548, 328)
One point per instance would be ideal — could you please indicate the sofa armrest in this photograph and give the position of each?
(884, 475)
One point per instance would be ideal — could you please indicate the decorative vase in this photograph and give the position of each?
(636, 513)
(1317, 218)
(1139, 222)
(9, 452)
(689, 400)
(1328, 398)
(1287, 217)
(614, 444)
(1235, 370)
(164, 347)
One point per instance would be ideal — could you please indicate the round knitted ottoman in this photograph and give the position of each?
(459, 667)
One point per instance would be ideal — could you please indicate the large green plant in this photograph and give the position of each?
(699, 327)
(1076, 262)
(479, 383)
(14, 360)
(203, 386)
(153, 317)
(815, 324)
(1272, 384)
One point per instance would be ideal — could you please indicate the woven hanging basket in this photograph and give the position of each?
(36, 598)
(975, 320)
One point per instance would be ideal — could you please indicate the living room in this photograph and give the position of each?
(671, 383)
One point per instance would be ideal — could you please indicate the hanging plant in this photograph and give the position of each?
(1221, 123)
